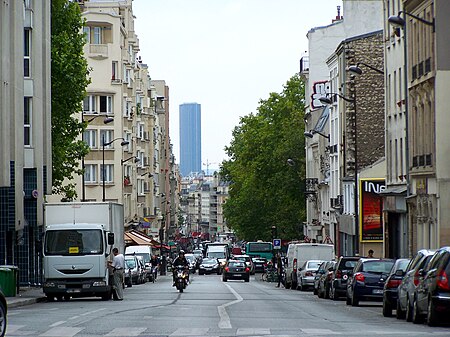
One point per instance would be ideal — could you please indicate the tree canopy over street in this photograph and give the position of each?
(265, 191)
(69, 81)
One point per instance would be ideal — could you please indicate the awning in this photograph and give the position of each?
(394, 190)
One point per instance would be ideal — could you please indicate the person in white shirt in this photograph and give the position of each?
(118, 264)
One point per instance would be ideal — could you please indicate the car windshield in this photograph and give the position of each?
(190, 258)
(401, 265)
(243, 258)
(209, 262)
(350, 264)
(131, 263)
(216, 255)
(313, 264)
(236, 264)
(377, 266)
(73, 242)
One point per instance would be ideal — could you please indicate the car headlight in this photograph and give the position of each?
(49, 284)
(99, 284)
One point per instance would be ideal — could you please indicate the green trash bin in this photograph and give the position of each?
(15, 270)
(7, 281)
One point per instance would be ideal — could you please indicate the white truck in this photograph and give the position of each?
(78, 239)
(299, 253)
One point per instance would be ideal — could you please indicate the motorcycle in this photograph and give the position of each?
(181, 278)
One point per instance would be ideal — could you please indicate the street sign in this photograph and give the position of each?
(276, 243)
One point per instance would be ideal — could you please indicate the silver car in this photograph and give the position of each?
(306, 274)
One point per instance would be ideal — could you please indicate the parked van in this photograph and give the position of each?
(143, 251)
(299, 253)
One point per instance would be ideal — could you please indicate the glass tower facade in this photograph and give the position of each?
(190, 138)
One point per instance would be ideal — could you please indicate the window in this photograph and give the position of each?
(27, 121)
(97, 35)
(106, 136)
(27, 53)
(115, 70)
(140, 128)
(90, 138)
(89, 104)
(106, 104)
(90, 173)
(140, 186)
(127, 108)
(87, 33)
(108, 172)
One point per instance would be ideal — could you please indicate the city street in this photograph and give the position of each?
(209, 307)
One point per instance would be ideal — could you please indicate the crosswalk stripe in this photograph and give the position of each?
(325, 332)
(125, 332)
(61, 331)
(190, 332)
(252, 332)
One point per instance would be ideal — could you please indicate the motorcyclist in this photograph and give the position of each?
(179, 261)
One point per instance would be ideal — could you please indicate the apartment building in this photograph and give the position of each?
(324, 73)
(25, 132)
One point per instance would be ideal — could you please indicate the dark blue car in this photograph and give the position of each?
(390, 287)
(367, 279)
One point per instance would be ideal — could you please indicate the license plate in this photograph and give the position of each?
(377, 291)
(74, 290)
(237, 274)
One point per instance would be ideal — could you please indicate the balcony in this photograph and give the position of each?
(98, 51)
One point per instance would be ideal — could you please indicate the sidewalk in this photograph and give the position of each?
(26, 296)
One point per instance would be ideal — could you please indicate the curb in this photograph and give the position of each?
(24, 302)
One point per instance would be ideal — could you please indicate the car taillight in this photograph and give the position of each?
(393, 283)
(359, 277)
(442, 281)
(416, 278)
(308, 273)
(338, 274)
(247, 269)
(227, 269)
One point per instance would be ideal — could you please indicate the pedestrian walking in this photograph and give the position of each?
(117, 264)
(279, 265)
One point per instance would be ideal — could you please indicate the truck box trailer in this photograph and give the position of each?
(78, 240)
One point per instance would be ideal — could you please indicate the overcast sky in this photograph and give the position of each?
(225, 55)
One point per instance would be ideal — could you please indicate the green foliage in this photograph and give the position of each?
(69, 81)
(266, 191)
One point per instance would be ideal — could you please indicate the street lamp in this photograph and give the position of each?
(401, 22)
(123, 143)
(107, 120)
(136, 160)
(311, 133)
(358, 71)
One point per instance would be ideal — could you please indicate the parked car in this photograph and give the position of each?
(248, 261)
(317, 277)
(407, 288)
(366, 281)
(260, 264)
(192, 262)
(209, 266)
(324, 283)
(343, 267)
(131, 272)
(236, 270)
(306, 274)
(432, 300)
(3, 314)
(391, 286)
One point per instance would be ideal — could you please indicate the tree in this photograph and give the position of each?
(264, 190)
(69, 81)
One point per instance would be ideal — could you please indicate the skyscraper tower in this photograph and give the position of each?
(190, 138)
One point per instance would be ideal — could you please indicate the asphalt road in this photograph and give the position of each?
(209, 307)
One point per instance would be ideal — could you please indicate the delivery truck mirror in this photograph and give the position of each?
(110, 238)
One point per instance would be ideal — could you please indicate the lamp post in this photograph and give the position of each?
(311, 134)
(123, 143)
(327, 100)
(107, 120)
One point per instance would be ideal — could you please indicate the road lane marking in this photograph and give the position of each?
(61, 332)
(325, 332)
(126, 332)
(190, 332)
(10, 328)
(57, 323)
(225, 322)
(252, 332)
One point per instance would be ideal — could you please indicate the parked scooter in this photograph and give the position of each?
(181, 278)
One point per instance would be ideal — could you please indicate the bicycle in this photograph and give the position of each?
(269, 275)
